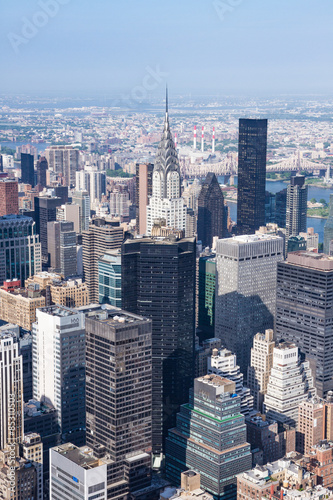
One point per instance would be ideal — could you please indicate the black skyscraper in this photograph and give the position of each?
(211, 211)
(27, 169)
(158, 282)
(41, 171)
(46, 211)
(252, 148)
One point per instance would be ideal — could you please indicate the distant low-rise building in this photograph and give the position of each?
(18, 305)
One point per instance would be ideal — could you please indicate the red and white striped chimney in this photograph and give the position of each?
(213, 143)
(195, 138)
(202, 140)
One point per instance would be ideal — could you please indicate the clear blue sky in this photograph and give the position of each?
(102, 46)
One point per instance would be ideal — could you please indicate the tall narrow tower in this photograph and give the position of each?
(202, 140)
(213, 143)
(195, 138)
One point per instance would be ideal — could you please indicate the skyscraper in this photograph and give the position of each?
(252, 148)
(109, 278)
(304, 304)
(246, 289)
(101, 236)
(297, 197)
(210, 437)
(46, 211)
(158, 282)
(119, 395)
(290, 383)
(20, 249)
(58, 338)
(328, 230)
(42, 166)
(27, 169)
(62, 247)
(143, 190)
(206, 297)
(166, 202)
(11, 390)
(81, 198)
(63, 160)
(8, 197)
(211, 212)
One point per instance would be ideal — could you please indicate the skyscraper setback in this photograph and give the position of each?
(252, 147)
(158, 283)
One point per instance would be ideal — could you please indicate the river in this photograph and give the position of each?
(313, 192)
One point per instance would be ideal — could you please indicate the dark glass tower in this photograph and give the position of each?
(304, 311)
(158, 282)
(211, 212)
(252, 147)
(46, 211)
(42, 166)
(27, 169)
(297, 198)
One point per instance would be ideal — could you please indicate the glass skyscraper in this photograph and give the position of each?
(252, 147)
(20, 249)
(212, 216)
(109, 278)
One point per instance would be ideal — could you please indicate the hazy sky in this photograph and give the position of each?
(205, 46)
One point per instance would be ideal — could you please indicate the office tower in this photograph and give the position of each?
(1, 163)
(328, 230)
(46, 211)
(246, 290)
(82, 180)
(42, 166)
(202, 353)
(119, 204)
(261, 364)
(312, 239)
(109, 278)
(11, 390)
(8, 197)
(281, 208)
(61, 245)
(206, 297)
(119, 394)
(297, 198)
(166, 202)
(59, 367)
(303, 311)
(70, 212)
(210, 437)
(27, 169)
(191, 194)
(223, 363)
(81, 198)
(143, 190)
(31, 448)
(18, 305)
(42, 419)
(25, 343)
(290, 383)
(158, 282)
(63, 160)
(211, 213)
(97, 187)
(252, 146)
(77, 473)
(311, 424)
(101, 236)
(20, 249)
(61, 192)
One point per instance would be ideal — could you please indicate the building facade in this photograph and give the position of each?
(20, 249)
(210, 437)
(19, 305)
(211, 212)
(46, 211)
(158, 283)
(246, 293)
(206, 297)
(297, 198)
(82, 199)
(63, 160)
(27, 169)
(8, 197)
(101, 236)
(109, 278)
(59, 367)
(252, 150)
(143, 191)
(61, 246)
(304, 311)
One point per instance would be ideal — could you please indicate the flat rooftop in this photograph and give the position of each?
(59, 311)
(311, 260)
(111, 315)
(83, 456)
(251, 238)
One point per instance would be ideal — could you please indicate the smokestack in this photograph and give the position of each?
(213, 144)
(195, 138)
(176, 140)
(202, 140)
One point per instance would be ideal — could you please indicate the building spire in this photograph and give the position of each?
(166, 100)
